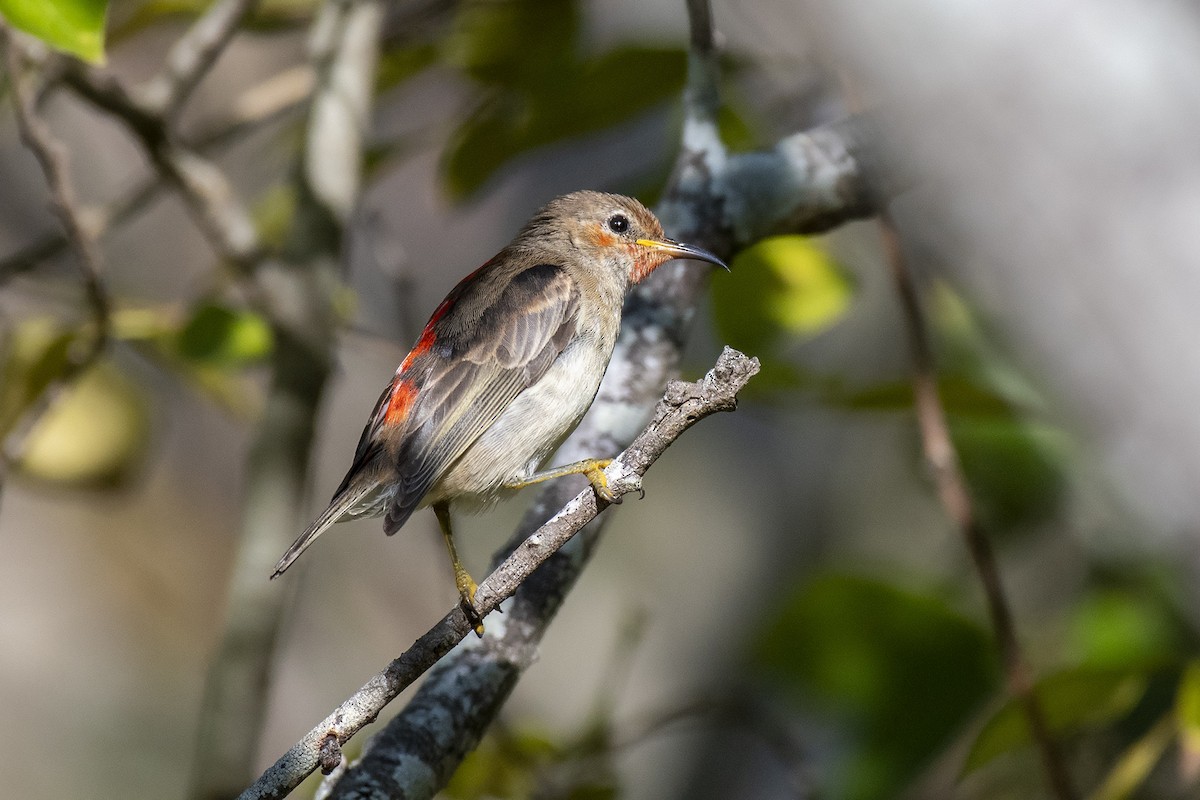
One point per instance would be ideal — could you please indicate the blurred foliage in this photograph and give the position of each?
(898, 672)
(217, 334)
(786, 285)
(73, 26)
(37, 354)
(96, 430)
(536, 87)
(1072, 700)
(522, 763)
(784, 289)
(94, 434)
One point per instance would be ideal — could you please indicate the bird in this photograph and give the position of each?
(504, 370)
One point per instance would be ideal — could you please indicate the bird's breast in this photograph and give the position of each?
(532, 427)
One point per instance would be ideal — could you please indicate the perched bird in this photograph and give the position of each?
(503, 372)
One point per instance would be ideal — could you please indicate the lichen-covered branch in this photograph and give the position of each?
(683, 405)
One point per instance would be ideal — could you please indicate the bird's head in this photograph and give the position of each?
(608, 232)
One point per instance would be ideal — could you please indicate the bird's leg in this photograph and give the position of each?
(590, 468)
(466, 585)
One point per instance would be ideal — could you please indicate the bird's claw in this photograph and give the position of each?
(466, 595)
(599, 481)
(628, 481)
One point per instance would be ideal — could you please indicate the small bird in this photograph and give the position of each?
(503, 372)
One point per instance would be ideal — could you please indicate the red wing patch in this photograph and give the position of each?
(403, 395)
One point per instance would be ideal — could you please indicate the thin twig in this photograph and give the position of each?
(53, 158)
(191, 57)
(272, 98)
(955, 497)
(682, 406)
(219, 214)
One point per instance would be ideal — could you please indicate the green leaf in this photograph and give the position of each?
(784, 285)
(1016, 468)
(1072, 700)
(73, 26)
(223, 336)
(900, 671)
(516, 43)
(1120, 627)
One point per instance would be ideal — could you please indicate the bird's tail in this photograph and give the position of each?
(343, 503)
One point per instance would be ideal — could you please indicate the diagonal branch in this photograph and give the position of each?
(191, 57)
(205, 189)
(955, 496)
(683, 405)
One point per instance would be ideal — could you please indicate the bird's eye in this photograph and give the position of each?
(618, 223)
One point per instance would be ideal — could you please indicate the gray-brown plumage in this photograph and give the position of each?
(504, 370)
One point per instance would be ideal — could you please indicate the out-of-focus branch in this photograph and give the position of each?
(955, 496)
(683, 405)
(220, 215)
(705, 202)
(298, 287)
(191, 57)
(53, 158)
(261, 103)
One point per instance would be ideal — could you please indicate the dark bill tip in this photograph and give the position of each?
(681, 250)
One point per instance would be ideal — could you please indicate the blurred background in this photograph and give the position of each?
(789, 612)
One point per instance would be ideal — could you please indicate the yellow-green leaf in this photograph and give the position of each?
(74, 26)
(93, 435)
(781, 285)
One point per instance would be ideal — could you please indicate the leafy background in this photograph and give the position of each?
(789, 613)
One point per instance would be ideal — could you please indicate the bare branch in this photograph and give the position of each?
(682, 406)
(191, 57)
(942, 457)
(225, 222)
(53, 158)
(273, 97)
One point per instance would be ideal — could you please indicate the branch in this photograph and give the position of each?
(683, 405)
(273, 97)
(53, 158)
(955, 497)
(208, 194)
(191, 57)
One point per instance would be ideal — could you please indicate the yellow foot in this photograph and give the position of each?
(593, 470)
(466, 595)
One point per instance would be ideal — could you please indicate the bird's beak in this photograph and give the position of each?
(675, 249)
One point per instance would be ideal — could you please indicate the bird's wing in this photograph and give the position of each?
(469, 371)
